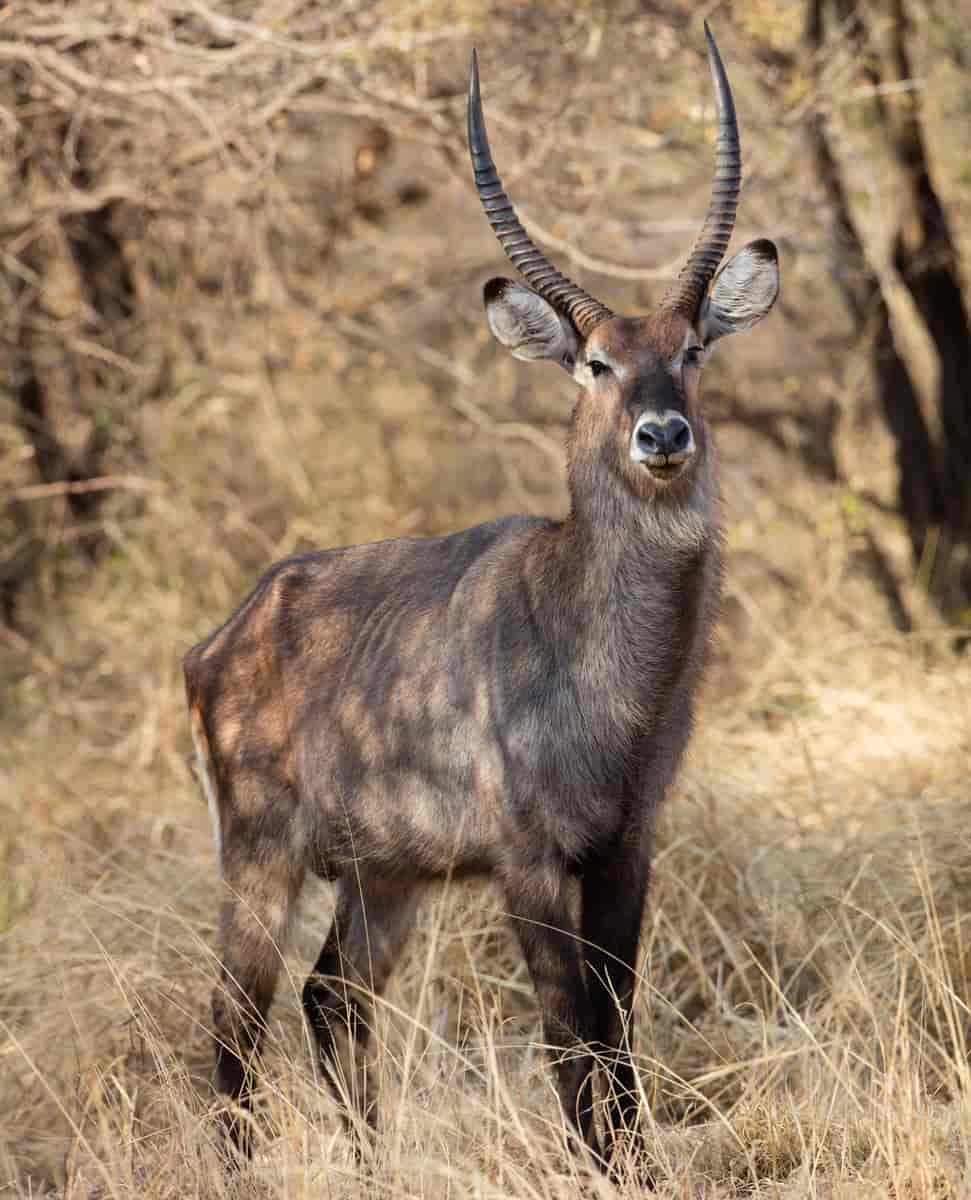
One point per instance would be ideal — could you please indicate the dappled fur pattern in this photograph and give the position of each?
(512, 699)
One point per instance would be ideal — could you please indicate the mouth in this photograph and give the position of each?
(665, 467)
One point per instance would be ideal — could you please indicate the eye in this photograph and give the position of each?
(692, 356)
(597, 367)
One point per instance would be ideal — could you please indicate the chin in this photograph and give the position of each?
(665, 476)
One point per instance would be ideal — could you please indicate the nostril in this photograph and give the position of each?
(672, 436)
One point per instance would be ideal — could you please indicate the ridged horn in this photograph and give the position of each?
(685, 294)
(576, 304)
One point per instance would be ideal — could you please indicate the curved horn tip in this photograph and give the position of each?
(474, 79)
(711, 43)
(475, 121)
(723, 91)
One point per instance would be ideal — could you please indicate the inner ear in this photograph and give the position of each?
(743, 292)
(527, 325)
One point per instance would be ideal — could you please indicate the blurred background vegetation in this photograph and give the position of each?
(199, 196)
(278, 193)
(241, 317)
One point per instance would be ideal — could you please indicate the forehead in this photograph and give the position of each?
(639, 341)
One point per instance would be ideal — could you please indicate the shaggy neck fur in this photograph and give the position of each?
(625, 579)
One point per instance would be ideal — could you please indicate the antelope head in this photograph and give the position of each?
(640, 376)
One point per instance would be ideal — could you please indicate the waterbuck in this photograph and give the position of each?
(513, 699)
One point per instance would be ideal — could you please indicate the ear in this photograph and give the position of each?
(528, 325)
(743, 292)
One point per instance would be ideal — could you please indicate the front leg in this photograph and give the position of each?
(537, 904)
(614, 889)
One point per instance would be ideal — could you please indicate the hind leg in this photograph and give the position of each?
(371, 924)
(262, 878)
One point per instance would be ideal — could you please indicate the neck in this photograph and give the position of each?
(626, 584)
(613, 536)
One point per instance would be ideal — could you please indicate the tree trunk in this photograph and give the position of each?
(926, 257)
(68, 333)
(934, 483)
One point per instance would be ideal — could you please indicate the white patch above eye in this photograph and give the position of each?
(692, 352)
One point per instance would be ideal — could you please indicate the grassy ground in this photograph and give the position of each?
(803, 1019)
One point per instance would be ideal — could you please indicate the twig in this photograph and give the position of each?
(23, 646)
(461, 402)
(877, 565)
(868, 91)
(102, 483)
(602, 266)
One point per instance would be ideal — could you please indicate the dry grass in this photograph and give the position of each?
(803, 1019)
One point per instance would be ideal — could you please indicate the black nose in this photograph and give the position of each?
(671, 437)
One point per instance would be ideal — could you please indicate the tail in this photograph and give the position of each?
(206, 774)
